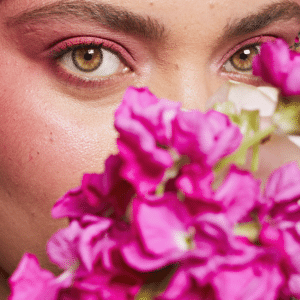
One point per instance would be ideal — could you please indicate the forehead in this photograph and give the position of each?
(194, 12)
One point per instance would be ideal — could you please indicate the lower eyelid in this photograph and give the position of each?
(79, 82)
(245, 78)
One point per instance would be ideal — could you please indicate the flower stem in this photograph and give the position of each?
(239, 156)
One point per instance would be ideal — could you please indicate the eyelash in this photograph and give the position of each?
(68, 46)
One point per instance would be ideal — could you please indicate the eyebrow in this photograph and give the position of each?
(278, 11)
(123, 20)
(108, 15)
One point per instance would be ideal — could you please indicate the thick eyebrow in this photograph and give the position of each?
(108, 15)
(278, 11)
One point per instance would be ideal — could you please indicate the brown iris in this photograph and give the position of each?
(242, 59)
(87, 59)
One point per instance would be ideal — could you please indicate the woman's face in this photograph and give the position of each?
(57, 99)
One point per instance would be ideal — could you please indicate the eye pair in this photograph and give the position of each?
(98, 63)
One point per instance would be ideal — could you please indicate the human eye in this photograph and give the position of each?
(241, 61)
(91, 62)
(238, 63)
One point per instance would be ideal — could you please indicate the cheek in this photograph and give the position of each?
(48, 141)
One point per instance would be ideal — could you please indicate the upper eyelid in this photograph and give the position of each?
(58, 52)
(244, 47)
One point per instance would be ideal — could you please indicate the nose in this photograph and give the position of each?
(188, 82)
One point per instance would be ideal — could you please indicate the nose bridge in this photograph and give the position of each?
(193, 87)
(187, 82)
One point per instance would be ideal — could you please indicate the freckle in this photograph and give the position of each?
(151, 3)
(176, 67)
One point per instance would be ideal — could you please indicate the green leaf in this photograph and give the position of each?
(156, 283)
(250, 230)
(287, 115)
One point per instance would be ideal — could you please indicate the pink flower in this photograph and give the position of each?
(195, 182)
(86, 241)
(105, 257)
(281, 210)
(90, 247)
(144, 125)
(255, 281)
(156, 115)
(283, 185)
(205, 138)
(29, 281)
(280, 217)
(239, 194)
(194, 277)
(161, 234)
(294, 285)
(184, 287)
(279, 66)
(99, 194)
(165, 233)
(103, 285)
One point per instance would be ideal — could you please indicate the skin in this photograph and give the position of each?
(53, 131)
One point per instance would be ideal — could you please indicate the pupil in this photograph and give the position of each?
(244, 56)
(89, 55)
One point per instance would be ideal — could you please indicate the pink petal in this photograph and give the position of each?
(253, 282)
(284, 183)
(29, 281)
(238, 194)
(159, 224)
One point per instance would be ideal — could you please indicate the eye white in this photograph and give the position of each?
(109, 66)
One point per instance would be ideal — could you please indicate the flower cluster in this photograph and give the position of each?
(163, 222)
(157, 206)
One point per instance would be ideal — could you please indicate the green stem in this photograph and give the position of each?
(239, 155)
(255, 158)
